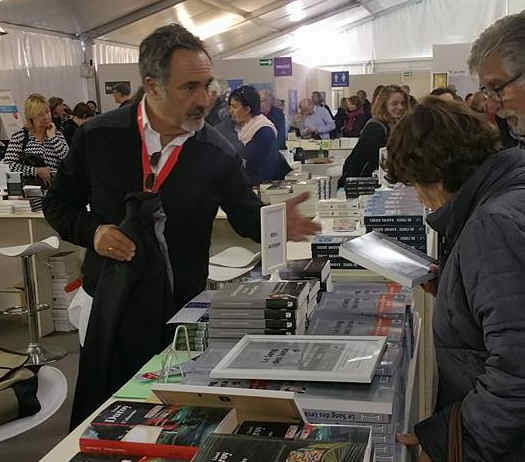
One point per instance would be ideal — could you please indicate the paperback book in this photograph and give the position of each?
(238, 448)
(262, 294)
(145, 429)
(390, 258)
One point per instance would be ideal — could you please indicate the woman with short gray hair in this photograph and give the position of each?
(450, 155)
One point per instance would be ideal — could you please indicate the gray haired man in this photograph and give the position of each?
(498, 57)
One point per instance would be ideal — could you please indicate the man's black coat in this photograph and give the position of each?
(104, 165)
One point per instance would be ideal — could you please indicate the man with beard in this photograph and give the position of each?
(158, 145)
(498, 58)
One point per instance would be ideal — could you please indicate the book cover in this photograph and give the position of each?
(377, 305)
(303, 357)
(393, 219)
(262, 294)
(255, 314)
(330, 323)
(238, 448)
(286, 324)
(145, 429)
(82, 457)
(390, 258)
(306, 268)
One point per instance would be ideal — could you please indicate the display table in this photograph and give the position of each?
(25, 228)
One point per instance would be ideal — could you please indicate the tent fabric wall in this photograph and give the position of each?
(41, 63)
(109, 53)
(407, 32)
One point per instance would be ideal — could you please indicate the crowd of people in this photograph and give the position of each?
(464, 158)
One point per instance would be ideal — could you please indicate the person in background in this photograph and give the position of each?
(275, 115)
(340, 117)
(38, 149)
(58, 111)
(229, 130)
(450, 156)
(261, 157)
(498, 59)
(316, 121)
(391, 105)
(218, 104)
(281, 104)
(93, 106)
(317, 99)
(377, 92)
(412, 101)
(355, 119)
(81, 114)
(444, 93)
(122, 94)
(367, 106)
(468, 99)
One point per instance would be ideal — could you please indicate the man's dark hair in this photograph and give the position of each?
(92, 102)
(442, 91)
(82, 111)
(156, 50)
(55, 101)
(123, 88)
(248, 97)
(439, 141)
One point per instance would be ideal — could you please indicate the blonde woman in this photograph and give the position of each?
(38, 149)
(390, 106)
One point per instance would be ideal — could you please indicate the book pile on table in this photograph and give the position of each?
(261, 307)
(295, 176)
(60, 301)
(9, 207)
(194, 316)
(325, 187)
(397, 213)
(281, 191)
(327, 246)
(35, 196)
(360, 186)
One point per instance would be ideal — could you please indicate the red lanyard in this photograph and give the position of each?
(146, 166)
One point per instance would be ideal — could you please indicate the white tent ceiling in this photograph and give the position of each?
(230, 28)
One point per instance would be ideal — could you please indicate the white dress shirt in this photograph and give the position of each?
(152, 140)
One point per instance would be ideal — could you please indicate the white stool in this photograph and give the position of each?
(51, 394)
(38, 355)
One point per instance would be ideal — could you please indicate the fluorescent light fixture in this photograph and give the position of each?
(296, 11)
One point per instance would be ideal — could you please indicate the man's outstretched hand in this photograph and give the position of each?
(298, 226)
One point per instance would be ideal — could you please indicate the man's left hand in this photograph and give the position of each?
(298, 226)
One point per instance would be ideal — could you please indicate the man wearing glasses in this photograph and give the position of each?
(498, 56)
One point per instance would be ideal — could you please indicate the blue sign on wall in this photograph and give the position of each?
(341, 79)
(235, 83)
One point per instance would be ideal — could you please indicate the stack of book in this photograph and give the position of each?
(281, 191)
(399, 214)
(295, 176)
(35, 197)
(327, 246)
(317, 269)
(8, 207)
(60, 277)
(194, 316)
(325, 187)
(360, 186)
(261, 307)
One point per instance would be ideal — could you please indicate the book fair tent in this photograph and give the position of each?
(55, 46)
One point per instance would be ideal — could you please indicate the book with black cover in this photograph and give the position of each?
(262, 294)
(287, 324)
(237, 448)
(146, 429)
(254, 314)
(306, 268)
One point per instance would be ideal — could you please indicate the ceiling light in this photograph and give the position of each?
(2, 30)
(296, 11)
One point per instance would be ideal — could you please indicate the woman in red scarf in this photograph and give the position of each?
(356, 118)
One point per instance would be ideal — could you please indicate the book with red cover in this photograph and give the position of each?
(146, 429)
